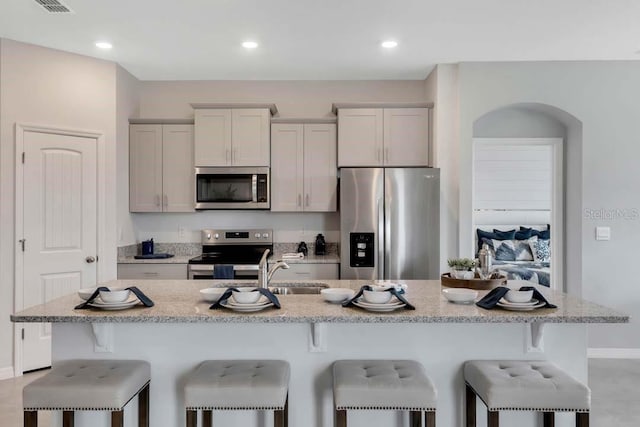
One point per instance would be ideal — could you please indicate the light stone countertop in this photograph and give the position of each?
(178, 301)
(178, 259)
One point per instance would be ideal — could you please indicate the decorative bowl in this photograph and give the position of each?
(518, 296)
(246, 296)
(377, 297)
(460, 295)
(115, 295)
(337, 295)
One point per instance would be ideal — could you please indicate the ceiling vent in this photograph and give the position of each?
(54, 6)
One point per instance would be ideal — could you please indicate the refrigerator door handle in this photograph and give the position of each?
(380, 258)
(387, 234)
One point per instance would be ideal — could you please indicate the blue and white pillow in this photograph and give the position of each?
(512, 250)
(541, 249)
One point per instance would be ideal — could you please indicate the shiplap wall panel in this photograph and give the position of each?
(512, 175)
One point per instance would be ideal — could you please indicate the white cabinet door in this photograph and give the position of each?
(212, 137)
(360, 134)
(287, 167)
(177, 168)
(406, 137)
(320, 169)
(250, 137)
(145, 168)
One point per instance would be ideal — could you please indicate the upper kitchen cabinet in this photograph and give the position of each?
(233, 136)
(303, 167)
(397, 136)
(161, 168)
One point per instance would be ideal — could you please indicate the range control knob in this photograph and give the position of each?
(257, 235)
(208, 236)
(216, 236)
(265, 235)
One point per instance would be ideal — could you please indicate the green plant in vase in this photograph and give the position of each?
(462, 268)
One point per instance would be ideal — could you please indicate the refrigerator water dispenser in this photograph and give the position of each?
(362, 249)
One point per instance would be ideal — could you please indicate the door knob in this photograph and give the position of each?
(90, 259)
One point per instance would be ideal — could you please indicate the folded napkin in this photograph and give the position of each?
(293, 255)
(227, 294)
(222, 271)
(391, 290)
(490, 300)
(145, 300)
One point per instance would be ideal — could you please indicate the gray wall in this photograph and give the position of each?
(603, 96)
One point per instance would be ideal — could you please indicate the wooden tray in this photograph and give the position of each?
(478, 284)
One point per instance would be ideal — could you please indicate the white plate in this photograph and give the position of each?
(98, 301)
(520, 308)
(115, 306)
(243, 308)
(363, 303)
(519, 304)
(378, 307)
(261, 301)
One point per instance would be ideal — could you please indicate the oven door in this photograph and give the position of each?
(205, 272)
(232, 188)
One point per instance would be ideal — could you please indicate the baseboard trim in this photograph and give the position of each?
(613, 353)
(6, 373)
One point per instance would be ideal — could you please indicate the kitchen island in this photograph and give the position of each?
(180, 331)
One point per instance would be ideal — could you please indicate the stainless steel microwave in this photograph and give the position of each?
(232, 188)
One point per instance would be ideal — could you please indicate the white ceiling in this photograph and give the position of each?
(326, 39)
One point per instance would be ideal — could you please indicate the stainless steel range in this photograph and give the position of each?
(241, 249)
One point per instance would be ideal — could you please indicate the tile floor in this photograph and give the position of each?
(613, 382)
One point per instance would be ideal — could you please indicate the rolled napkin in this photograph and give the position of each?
(293, 255)
(227, 294)
(391, 290)
(490, 300)
(145, 300)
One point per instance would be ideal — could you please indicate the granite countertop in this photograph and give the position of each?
(178, 259)
(178, 301)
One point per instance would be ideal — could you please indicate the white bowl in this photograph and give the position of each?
(518, 296)
(115, 295)
(86, 293)
(246, 296)
(337, 294)
(212, 294)
(377, 297)
(460, 295)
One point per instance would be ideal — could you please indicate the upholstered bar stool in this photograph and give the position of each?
(237, 385)
(520, 385)
(394, 385)
(89, 385)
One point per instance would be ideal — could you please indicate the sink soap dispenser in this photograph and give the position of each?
(321, 245)
(302, 248)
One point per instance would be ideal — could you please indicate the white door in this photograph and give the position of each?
(212, 137)
(286, 167)
(406, 137)
(59, 228)
(360, 133)
(320, 168)
(177, 168)
(250, 137)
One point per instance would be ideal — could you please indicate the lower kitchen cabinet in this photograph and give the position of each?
(152, 271)
(308, 272)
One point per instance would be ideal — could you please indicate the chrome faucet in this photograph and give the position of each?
(264, 274)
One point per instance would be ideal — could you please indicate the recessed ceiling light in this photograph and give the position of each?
(249, 45)
(104, 45)
(389, 44)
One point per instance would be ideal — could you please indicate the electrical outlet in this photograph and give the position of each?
(182, 232)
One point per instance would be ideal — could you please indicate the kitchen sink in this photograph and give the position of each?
(298, 288)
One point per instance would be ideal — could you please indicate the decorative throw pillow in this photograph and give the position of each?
(501, 235)
(512, 250)
(541, 250)
(541, 234)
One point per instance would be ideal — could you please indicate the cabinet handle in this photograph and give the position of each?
(306, 202)
(299, 200)
(226, 157)
(157, 199)
(166, 200)
(234, 155)
(386, 154)
(150, 273)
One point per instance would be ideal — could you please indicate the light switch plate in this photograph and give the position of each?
(603, 233)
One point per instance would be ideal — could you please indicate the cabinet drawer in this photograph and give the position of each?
(152, 271)
(308, 272)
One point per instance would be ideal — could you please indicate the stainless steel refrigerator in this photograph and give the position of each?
(390, 223)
